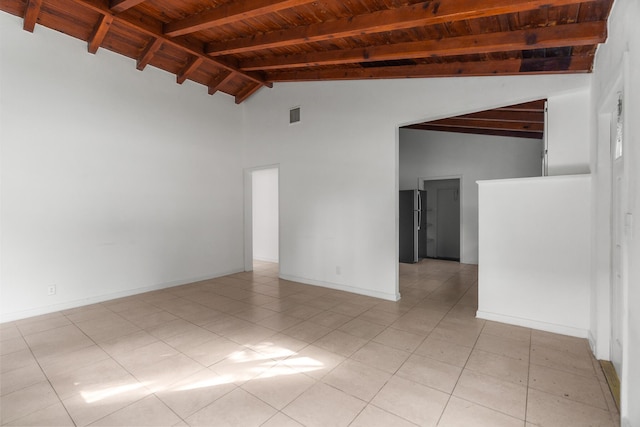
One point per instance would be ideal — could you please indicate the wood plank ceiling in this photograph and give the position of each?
(520, 121)
(237, 47)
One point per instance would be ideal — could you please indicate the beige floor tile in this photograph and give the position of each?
(59, 365)
(362, 329)
(57, 341)
(172, 328)
(279, 385)
(516, 349)
(148, 321)
(9, 330)
(16, 360)
(54, 415)
(430, 372)
(213, 351)
(127, 343)
(20, 378)
(419, 321)
(341, 343)
(279, 346)
(505, 368)
(547, 410)
(372, 416)
(41, 323)
(191, 394)
(92, 379)
(281, 420)
(227, 324)
(465, 335)
(251, 335)
(357, 379)
(400, 340)
(512, 332)
(574, 387)
(143, 357)
(149, 411)
(237, 408)
(87, 312)
(381, 356)
(380, 317)
(256, 314)
(243, 365)
(161, 375)
(314, 361)
(562, 360)
(503, 396)
(12, 345)
(303, 312)
(190, 338)
(307, 331)
(414, 402)
(323, 405)
(462, 413)
(105, 328)
(444, 351)
(578, 346)
(330, 319)
(279, 322)
(26, 401)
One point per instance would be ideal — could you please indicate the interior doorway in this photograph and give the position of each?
(441, 233)
(262, 217)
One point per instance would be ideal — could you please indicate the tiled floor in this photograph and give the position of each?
(250, 349)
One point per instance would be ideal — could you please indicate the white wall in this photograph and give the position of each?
(338, 167)
(265, 214)
(427, 154)
(535, 253)
(624, 35)
(113, 180)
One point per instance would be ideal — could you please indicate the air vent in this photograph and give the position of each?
(294, 115)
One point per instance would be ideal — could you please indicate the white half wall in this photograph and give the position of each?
(339, 165)
(114, 181)
(535, 253)
(265, 214)
(427, 154)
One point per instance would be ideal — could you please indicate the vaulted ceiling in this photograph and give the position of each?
(238, 47)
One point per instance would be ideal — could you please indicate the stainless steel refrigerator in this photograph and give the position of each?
(412, 225)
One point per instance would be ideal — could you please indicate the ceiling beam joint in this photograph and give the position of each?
(99, 33)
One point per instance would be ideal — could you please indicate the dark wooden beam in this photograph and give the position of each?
(153, 28)
(119, 6)
(402, 18)
(246, 92)
(218, 81)
(588, 33)
(188, 69)
(31, 15)
(147, 54)
(490, 124)
(227, 14)
(99, 33)
(479, 68)
(426, 126)
(506, 116)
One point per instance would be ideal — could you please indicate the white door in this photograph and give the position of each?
(617, 237)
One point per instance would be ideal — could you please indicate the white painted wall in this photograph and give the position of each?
(265, 214)
(339, 166)
(113, 181)
(535, 252)
(624, 36)
(569, 130)
(427, 154)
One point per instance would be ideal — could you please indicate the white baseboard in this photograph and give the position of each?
(339, 287)
(534, 324)
(23, 314)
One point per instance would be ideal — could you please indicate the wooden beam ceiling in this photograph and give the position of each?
(236, 47)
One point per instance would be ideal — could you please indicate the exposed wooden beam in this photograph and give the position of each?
(480, 68)
(490, 125)
(189, 69)
(427, 126)
(153, 28)
(228, 13)
(505, 116)
(416, 15)
(588, 33)
(31, 15)
(534, 106)
(246, 92)
(99, 33)
(219, 80)
(119, 6)
(152, 47)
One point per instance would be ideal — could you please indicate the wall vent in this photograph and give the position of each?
(294, 115)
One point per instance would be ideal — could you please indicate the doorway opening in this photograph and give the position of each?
(441, 234)
(262, 219)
